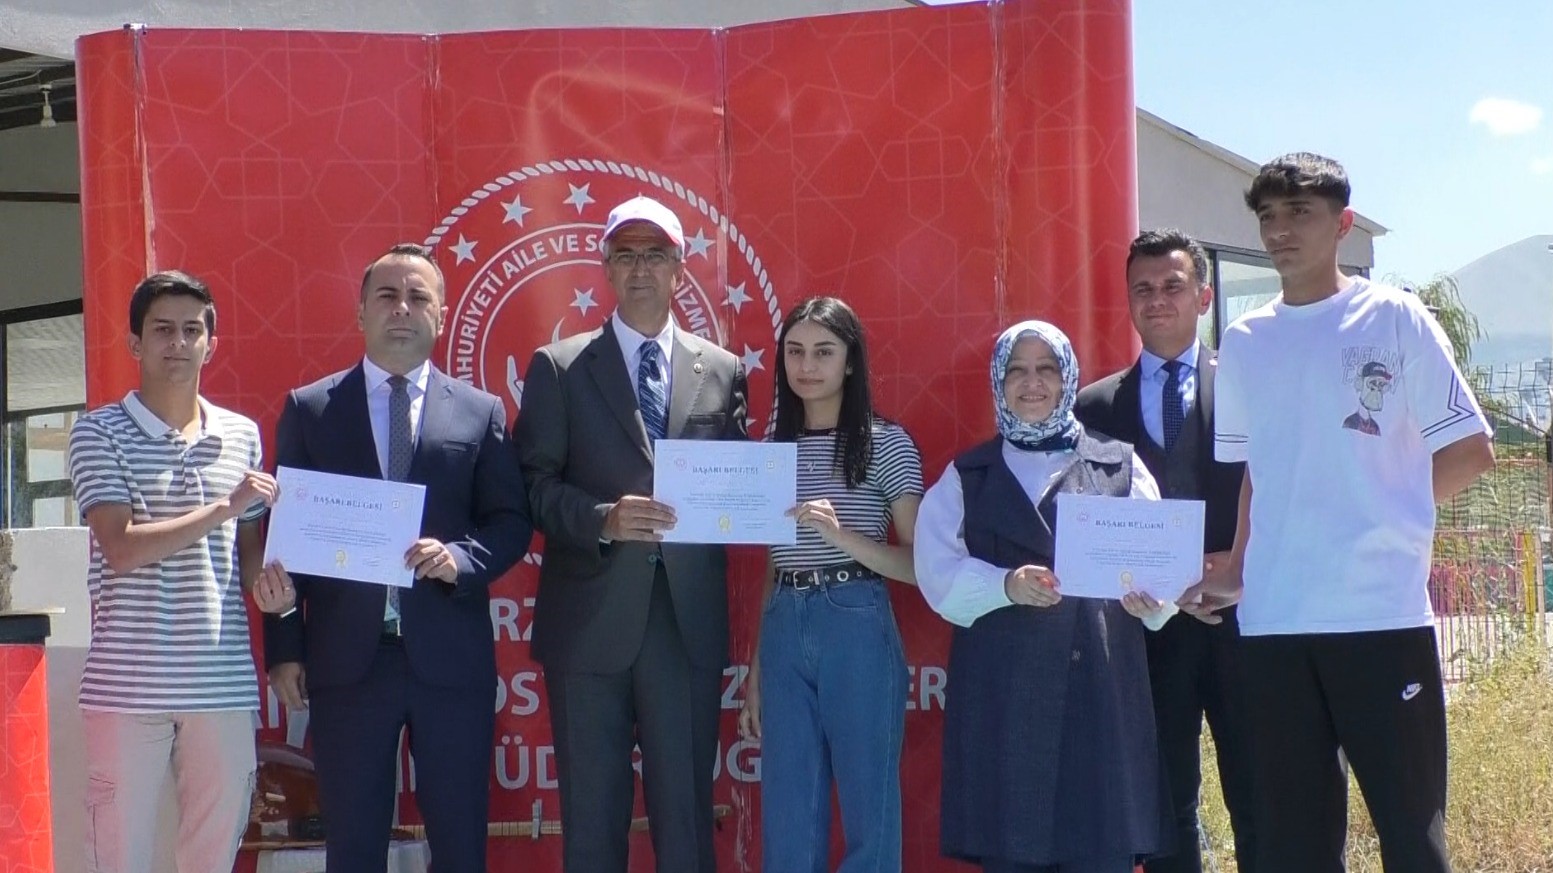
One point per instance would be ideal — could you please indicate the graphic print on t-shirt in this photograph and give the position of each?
(1370, 370)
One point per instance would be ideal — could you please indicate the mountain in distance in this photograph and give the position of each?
(1510, 290)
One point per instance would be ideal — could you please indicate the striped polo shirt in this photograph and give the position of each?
(894, 470)
(170, 636)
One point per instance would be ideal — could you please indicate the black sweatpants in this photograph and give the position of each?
(1377, 696)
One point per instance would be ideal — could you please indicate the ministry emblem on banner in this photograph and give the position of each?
(523, 261)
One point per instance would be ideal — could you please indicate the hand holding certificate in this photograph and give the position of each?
(727, 492)
(1109, 546)
(344, 527)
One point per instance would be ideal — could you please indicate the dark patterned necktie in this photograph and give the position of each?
(1170, 403)
(650, 394)
(400, 450)
(400, 446)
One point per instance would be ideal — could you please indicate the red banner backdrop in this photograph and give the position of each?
(948, 171)
(26, 829)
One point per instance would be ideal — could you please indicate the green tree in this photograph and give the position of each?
(1443, 297)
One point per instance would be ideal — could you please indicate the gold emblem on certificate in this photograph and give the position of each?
(724, 524)
(340, 559)
(1126, 578)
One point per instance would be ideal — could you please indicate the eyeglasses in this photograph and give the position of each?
(653, 258)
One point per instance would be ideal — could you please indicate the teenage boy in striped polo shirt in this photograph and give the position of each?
(171, 488)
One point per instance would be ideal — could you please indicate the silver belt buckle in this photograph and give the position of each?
(812, 577)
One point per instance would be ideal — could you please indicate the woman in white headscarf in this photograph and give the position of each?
(1050, 759)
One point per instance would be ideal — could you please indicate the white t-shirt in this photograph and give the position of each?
(1338, 408)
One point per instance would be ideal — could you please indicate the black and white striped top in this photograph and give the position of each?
(894, 470)
(170, 636)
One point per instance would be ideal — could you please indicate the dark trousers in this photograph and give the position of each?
(671, 708)
(1376, 695)
(1119, 864)
(1194, 671)
(355, 732)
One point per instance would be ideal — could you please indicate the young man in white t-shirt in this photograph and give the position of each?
(1343, 398)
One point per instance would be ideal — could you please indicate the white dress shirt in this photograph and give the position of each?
(631, 344)
(378, 391)
(962, 588)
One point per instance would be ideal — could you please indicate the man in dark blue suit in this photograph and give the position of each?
(370, 660)
(1163, 405)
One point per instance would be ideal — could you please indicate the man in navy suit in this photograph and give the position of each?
(370, 660)
(1163, 405)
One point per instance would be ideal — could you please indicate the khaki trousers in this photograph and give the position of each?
(129, 757)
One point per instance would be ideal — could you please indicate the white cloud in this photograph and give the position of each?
(1505, 117)
(1542, 166)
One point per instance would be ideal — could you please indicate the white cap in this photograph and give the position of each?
(648, 210)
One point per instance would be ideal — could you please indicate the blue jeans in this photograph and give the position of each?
(833, 705)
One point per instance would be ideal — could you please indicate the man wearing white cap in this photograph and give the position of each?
(632, 632)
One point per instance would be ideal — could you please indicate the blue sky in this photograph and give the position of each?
(1442, 112)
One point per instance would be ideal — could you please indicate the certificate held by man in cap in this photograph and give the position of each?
(1110, 546)
(344, 527)
(727, 492)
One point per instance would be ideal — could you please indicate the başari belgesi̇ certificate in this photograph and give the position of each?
(727, 492)
(345, 527)
(1108, 546)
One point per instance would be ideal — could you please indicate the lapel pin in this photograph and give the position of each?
(697, 368)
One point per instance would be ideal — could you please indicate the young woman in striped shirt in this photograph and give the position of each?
(827, 692)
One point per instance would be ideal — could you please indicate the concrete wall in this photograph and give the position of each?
(51, 572)
(40, 159)
(40, 243)
(1180, 184)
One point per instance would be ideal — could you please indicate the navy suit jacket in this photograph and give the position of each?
(475, 504)
(1111, 406)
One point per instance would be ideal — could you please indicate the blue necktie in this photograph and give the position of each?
(1170, 403)
(650, 393)
(401, 449)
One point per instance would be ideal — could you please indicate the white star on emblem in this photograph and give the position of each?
(516, 211)
(579, 197)
(584, 299)
(465, 249)
(737, 298)
(751, 358)
(698, 244)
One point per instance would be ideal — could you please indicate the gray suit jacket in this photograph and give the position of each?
(582, 446)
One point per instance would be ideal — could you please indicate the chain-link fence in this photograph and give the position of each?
(1493, 560)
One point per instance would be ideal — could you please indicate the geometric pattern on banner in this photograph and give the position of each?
(947, 171)
(525, 271)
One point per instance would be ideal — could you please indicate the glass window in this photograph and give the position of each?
(45, 364)
(1244, 284)
(1208, 325)
(44, 390)
(54, 512)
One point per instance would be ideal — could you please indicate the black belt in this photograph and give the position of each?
(836, 574)
(393, 633)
